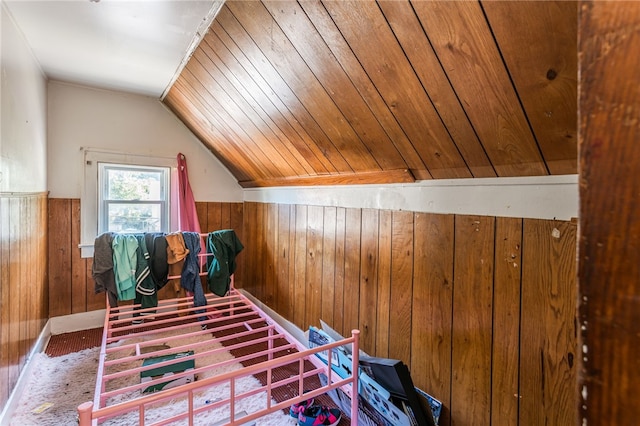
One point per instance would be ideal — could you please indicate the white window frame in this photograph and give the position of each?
(89, 199)
(164, 201)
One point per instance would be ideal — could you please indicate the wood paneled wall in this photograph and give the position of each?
(609, 261)
(71, 286)
(214, 216)
(23, 282)
(482, 309)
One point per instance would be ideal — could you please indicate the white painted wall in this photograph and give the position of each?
(23, 134)
(82, 117)
(543, 197)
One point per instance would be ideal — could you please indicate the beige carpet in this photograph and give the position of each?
(57, 385)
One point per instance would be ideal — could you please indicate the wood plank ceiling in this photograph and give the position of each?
(338, 92)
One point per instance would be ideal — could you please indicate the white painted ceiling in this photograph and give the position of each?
(133, 46)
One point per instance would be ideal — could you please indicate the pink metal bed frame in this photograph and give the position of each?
(233, 310)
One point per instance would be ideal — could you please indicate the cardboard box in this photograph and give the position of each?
(167, 371)
(340, 358)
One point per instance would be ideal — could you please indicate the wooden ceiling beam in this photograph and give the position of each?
(360, 178)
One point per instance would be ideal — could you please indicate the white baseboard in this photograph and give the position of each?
(290, 327)
(77, 322)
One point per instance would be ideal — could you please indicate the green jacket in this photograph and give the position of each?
(225, 246)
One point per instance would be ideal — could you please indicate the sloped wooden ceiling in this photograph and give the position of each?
(333, 92)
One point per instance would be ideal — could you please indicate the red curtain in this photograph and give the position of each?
(187, 213)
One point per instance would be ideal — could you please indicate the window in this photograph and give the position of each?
(125, 192)
(133, 198)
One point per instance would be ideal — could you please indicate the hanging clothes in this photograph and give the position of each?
(146, 294)
(176, 254)
(190, 279)
(102, 268)
(157, 247)
(125, 261)
(188, 218)
(225, 246)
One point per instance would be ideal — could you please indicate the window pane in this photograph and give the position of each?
(134, 185)
(133, 217)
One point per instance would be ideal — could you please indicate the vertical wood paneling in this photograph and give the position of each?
(214, 216)
(43, 266)
(506, 319)
(60, 283)
(260, 255)
(447, 296)
(95, 300)
(225, 216)
(352, 248)
(367, 323)
(292, 261)
(432, 306)
(609, 261)
(5, 298)
(548, 369)
(401, 285)
(314, 265)
(472, 315)
(339, 294)
(300, 262)
(236, 213)
(30, 306)
(16, 281)
(328, 264)
(284, 304)
(269, 257)
(78, 264)
(458, 331)
(70, 279)
(383, 307)
(24, 305)
(12, 306)
(23, 237)
(250, 265)
(201, 212)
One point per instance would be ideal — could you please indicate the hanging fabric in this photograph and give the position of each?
(187, 213)
(190, 226)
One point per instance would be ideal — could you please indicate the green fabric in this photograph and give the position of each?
(225, 246)
(124, 265)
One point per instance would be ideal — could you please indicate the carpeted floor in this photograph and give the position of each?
(71, 380)
(66, 343)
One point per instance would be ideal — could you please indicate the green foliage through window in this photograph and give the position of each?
(134, 199)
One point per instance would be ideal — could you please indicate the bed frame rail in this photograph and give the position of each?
(237, 307)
